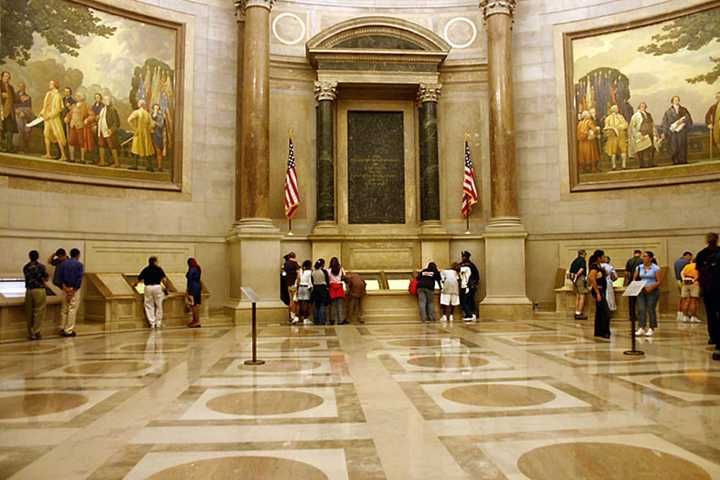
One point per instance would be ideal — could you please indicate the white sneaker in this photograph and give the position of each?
(686, 319)
(694, 319)
(640, 332)
(451, 318)
(681, 317)
(474, 318)
(467, 319)
(295, 320)
(307, 321)
(443, 318)
(649, 332)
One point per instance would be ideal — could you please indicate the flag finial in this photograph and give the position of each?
(291, 133)
(467, 135)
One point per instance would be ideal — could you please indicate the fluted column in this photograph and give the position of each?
(253, 174)
(504, 204)
(428, 95)
(325, 94)
(240, 19)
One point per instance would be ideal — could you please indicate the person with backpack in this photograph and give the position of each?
(337, 292)
(707, 262)
(427, 279)
(469, 286)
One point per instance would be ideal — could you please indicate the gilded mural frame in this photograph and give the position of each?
(709, 173)
(176, 181)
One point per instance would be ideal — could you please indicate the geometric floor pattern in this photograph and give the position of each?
(539, 399)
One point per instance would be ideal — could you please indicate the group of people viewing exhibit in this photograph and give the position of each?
(696, 276)
(68, 277)
(312, 289)
(81, 130)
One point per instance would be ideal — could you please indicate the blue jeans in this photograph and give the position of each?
(320, 311)
(426, 304)
(647, 307)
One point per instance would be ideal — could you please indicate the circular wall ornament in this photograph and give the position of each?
(300, 23)
(462, 20)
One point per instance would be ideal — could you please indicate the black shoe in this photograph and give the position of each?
(716, 355)
(37, 336)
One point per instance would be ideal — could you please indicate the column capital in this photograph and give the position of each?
(242, 5)
(326, 90)
(492, 7)
(429, 92)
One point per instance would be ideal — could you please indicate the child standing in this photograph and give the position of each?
(304, 291)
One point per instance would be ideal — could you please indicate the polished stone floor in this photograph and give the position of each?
(539, 399)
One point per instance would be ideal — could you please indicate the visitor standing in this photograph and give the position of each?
(336, 277)
(708, 266)
(472, 284)
(678, 266)
(290, 274)
(36, 277)
(450, 292)
(427, 278)
(650, 294)
(153, 277)
(305, 291)
(690, 292)
(357, 288)
(320, 294)
(578, 275)
(194, 290)
(70, 277)
(55, 260)
(598, 280)
(630, 267)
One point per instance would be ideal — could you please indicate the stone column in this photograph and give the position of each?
(253, 176)
(240, 18)
(325, 94)
(428, 95)
(504, 236)
(254, 242)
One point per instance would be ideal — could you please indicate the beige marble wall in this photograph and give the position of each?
(46, 215)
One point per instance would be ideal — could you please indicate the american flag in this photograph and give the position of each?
(292, 196)
(470, 196)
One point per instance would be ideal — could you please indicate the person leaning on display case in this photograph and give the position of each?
(154, 278)
(36, 277)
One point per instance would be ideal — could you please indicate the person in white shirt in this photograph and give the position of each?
(450, 292)
(304, 291)
(611, 276)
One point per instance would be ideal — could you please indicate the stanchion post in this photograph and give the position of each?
(250, 294)
(633, 351)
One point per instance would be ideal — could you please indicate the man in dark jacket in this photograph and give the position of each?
(427, 279)
(708, 266)
(472, 287)
(108, 125)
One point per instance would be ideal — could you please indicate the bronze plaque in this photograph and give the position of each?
(376, 167)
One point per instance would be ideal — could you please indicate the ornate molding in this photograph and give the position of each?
(241, 6)
(492, 7)
(429, 92)
(326, 90)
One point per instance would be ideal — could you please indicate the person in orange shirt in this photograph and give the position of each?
(690, 292)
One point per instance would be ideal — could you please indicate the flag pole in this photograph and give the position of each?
(467, 216)
(290, 232)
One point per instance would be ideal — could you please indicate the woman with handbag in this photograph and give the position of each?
(336, 276)
(194, 291)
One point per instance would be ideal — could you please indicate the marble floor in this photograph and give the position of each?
(539, 399)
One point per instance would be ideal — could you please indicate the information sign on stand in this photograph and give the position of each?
(633, 290)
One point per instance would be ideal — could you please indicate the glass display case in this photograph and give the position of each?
(12, 287)
(12, 309)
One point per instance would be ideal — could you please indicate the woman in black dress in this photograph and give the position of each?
(597, 278)
(194, 290)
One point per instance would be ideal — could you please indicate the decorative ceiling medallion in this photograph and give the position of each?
(460, 20)
(288, 23)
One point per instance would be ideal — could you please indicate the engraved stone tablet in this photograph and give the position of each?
(376, 167)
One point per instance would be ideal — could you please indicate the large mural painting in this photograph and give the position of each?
(643, 102)
(90, 93)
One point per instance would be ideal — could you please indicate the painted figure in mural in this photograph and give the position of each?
(141, 123)
(627, 110)
(676, 124)
(23, 115)
(159, 136)
(712, 120)
(108, 124)
(8, 124)
(89, 134)
(75, 118)
(98, 104)
(53, 131)
(642, 136)
(68, 102)
(615, 132)
(588, 152)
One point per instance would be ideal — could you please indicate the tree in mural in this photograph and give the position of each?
(691, 32)
(59, 22)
